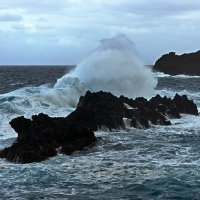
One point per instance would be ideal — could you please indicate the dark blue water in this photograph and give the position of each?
(14, 77)
(159, 163)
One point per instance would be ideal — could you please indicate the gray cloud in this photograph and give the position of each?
(71, 28)
(156, 7)
(31, 6)
(10, 18)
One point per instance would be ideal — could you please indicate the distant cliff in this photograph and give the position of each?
(173, 64)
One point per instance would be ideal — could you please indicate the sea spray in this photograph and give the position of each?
(114, 67)
(68, 95)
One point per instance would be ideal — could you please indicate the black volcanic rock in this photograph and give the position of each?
(28, 151)
(188, 64)
(39, 138)
(184, 105)
(97, 110)
(42, 136)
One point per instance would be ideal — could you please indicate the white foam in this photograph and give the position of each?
(181, 76)
(127, 123)
(187, 122)
(161, 75)
(185, 76)
(171, 93)
(128, 107)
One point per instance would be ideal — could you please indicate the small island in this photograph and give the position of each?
(172, 64)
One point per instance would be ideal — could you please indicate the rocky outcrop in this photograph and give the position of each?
(188, 64)
(42, 136)
(101, 109)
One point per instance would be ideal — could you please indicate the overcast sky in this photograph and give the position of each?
(65, 31)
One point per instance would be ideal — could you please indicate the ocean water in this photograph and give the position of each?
(162, 162)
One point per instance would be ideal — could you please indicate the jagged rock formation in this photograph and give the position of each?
(188, 64)
(43, 136)
(101, 109)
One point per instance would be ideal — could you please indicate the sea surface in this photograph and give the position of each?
(162, 162)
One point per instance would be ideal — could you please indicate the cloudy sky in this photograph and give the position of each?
(65, 31)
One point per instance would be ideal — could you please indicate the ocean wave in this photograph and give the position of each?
(28, 101)
(170, 93)
(160, 75)
(182, 76)
(185, 76)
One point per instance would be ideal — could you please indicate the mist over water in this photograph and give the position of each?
(114, 66)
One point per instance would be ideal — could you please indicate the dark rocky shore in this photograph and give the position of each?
(188, 64)
(42, 136)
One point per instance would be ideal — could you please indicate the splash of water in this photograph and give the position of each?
(114, 67)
